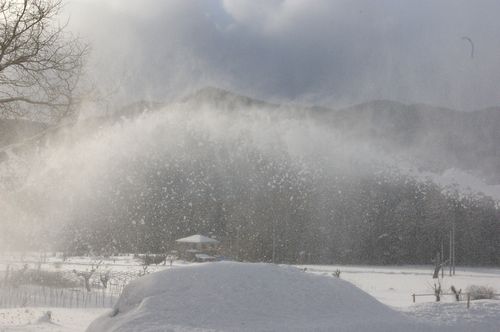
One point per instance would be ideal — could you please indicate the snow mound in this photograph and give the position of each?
(229, 296)
(46, 317)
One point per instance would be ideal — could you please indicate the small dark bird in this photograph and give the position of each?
(471, 45)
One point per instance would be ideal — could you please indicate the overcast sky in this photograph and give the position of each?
(331, 52)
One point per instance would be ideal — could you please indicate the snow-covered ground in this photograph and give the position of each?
(391, 285)
(230, 296)
(394, 285)
(483, 315)
(37, 319)
(124, 264)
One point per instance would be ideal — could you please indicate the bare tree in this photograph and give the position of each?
(41, 63)
(86, 275)
(438, 291)
(104, 277)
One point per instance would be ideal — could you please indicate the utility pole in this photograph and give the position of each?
(274, 242)
(450, 253)
(454, 245)
(442, 259)
(238, 242)
(452, 249)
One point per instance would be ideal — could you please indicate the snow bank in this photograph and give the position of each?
(229, 296)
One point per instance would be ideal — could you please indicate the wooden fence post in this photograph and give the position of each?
(468, 300)
(413, 297)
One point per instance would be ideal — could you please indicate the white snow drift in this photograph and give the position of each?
(229, 296)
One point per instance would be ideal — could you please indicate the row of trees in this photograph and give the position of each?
(266, 205)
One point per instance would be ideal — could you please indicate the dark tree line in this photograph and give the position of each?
(264, 204)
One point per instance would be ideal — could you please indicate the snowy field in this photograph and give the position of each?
(126, 264)
(392, 286)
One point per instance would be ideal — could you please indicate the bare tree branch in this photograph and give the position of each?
(41, 64)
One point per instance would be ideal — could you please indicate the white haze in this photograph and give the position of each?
(40, 192)
(332, 52)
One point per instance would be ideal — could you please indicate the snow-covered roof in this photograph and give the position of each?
(197, 239)
(204, 256)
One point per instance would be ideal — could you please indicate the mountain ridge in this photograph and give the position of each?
(432, 138)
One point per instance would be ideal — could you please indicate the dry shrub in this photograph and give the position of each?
(478, 292)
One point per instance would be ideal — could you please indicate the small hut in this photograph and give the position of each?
(198, 248)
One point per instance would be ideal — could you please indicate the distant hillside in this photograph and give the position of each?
(220, 98)
(432, 138)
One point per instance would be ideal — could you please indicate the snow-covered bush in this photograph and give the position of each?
(478, 292)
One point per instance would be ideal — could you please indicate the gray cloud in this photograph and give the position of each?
(308, 51)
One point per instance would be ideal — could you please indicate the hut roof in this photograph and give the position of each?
(197, 238)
